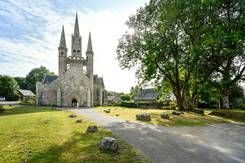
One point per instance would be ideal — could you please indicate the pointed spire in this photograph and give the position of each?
(89, 48)
(76, 28)
(62, 38)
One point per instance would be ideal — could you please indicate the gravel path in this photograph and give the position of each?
(206, 144)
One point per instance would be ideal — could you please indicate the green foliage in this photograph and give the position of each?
(236, 92)
(35, 75)
(29, 102)
(128, 104)
(118, 103)
(8, 88)
(134, 91)
(126, 97)
(109, 93)
(21, 82)
(143, 105)
(172, 105)
(186, 43)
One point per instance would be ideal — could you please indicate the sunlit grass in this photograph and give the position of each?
(186, 119)
(31, 134)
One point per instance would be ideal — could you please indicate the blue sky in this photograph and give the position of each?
(30, 33)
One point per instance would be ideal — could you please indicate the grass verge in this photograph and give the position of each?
(236, 115)
(186, 119)
(31, 134)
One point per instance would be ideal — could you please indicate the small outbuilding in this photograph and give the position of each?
(148, 95)
(113, 99)
(26, 95)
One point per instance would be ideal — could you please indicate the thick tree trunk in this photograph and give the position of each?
(225, 99)
(178, 100)
(226, 104)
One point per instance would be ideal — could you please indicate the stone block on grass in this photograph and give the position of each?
(73, 116)
(92, 129)
(107, 111)
(164, 116)
(79, 121)
(176, 113)
(109, 144)
(143, 117)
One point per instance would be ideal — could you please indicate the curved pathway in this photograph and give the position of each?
(201, 144)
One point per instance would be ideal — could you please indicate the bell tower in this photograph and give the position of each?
(76, 41)
(62, 53)
(90, 67)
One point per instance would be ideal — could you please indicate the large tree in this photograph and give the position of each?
(227, 37)
(8, 88)
(21, 82)
(161, 46)
(35, 75)
(174, 42)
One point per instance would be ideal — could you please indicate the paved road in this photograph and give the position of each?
(209, 144)
(9, 102)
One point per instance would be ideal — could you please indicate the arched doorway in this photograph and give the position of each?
(74, 102)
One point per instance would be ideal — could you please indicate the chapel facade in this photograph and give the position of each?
(76, 84)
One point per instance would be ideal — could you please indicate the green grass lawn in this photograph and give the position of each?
(187, 119)
(233, 114)
(30, 134)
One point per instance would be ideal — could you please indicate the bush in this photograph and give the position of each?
(212, 105)
(143, 105)
(128, 104)
(172, 105)
(30, 102)
(114, 104)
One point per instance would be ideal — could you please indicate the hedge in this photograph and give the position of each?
(128, 104)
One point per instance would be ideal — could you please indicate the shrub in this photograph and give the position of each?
(116, 103)
(30, 102)
(172, 105)
(128, 104)
(143, 105)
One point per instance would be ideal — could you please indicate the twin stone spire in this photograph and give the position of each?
(76, 40)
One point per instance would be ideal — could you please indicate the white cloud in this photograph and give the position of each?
(40, 48)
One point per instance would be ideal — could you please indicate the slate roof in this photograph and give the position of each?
(49, 79)
(147, 94)
(24, 92)
(113, 98)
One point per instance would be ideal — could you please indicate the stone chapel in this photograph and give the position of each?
(76, 84)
